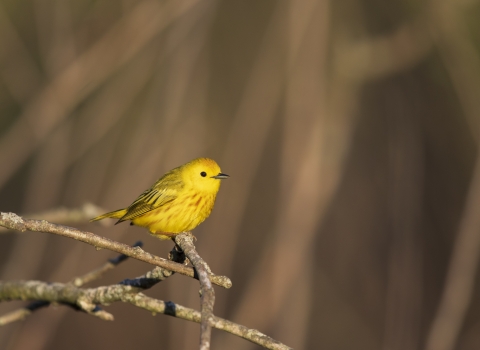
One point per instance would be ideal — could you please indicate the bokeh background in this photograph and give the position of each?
(350, 130)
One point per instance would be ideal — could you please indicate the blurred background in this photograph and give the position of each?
(350, 130)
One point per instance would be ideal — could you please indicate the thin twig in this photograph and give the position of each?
(97, 273)
(15, 222)
(207, 299)
(87, 300)
(156, 275)
(21, 313)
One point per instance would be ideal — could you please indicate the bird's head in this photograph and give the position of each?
(203, 174)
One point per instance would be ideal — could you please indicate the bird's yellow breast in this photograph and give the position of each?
(180, 215)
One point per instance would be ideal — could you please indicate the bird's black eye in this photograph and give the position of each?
(203, 174)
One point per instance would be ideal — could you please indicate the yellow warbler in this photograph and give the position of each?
(178, 202)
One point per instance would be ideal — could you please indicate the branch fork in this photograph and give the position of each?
(88, 300)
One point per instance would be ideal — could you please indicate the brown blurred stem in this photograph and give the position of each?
(207, 298)
(15, 222)
(460, 280)
(459, 52)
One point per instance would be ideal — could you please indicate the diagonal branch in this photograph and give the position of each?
(176, 310)
(15, 222)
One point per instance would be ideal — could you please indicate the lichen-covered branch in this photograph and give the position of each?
(85, 299)
(66, 215)
(176, 310)
(88, 299)
(21, 313)
(129, 290)
(15, 222)
(207, 299)
(158, 274)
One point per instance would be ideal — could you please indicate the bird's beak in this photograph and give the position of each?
(221, 176)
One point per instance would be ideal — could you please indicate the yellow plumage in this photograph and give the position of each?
(178, 202)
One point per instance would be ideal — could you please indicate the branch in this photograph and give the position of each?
(15, 222)
(23, 312)
(146, 281)
(176, 310)
(207, 298)
(128, 290)
(67, 216)
(86, 299)
(151, 278)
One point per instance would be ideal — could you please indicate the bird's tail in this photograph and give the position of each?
(116, 214)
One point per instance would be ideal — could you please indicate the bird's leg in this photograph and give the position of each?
(177, 254)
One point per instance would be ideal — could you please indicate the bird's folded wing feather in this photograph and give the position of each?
(151, 199)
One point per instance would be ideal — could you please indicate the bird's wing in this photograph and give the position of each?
(163, 191)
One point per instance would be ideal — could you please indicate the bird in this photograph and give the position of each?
(177, 202)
